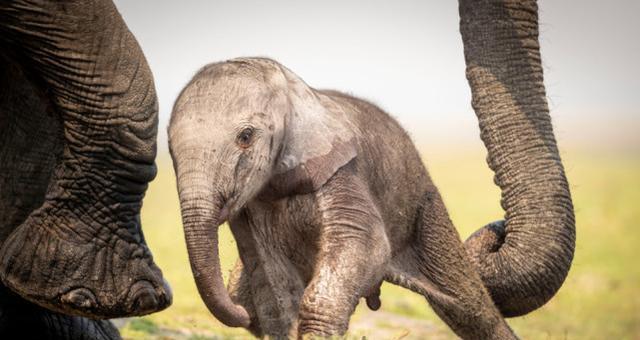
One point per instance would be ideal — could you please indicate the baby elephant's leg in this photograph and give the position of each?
(240, 292)
(352, 255)
(269, 285)
(456, 291)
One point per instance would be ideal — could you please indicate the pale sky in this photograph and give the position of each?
(406, 56)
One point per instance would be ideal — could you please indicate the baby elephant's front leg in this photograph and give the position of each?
(353, 253)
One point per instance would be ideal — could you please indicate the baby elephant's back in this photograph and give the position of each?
(388, 161)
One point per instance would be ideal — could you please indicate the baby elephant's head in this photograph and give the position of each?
(243, 129)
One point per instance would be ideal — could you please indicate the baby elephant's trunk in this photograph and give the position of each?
(202, 212)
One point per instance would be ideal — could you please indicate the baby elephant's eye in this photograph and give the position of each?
(245, 138)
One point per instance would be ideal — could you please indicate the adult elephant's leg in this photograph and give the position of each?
(20, 319)
(353, 253)
(82, 251)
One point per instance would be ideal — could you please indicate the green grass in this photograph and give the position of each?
(599, 300)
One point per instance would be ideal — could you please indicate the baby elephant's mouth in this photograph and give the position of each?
(224, 214)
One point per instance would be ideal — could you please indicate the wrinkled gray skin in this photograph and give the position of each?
(78, 124)
(327, 197)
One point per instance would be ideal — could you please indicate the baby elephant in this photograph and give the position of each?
(326, 197)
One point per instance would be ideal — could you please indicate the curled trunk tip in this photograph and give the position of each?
(524, 260)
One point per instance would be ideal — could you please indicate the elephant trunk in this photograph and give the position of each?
(202, 213)
(78, 247)
(524, 260)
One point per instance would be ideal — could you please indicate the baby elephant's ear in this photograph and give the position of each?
(318, 141)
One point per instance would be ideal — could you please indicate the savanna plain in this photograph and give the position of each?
(599, 300)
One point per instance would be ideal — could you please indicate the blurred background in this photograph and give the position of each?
(406, 56)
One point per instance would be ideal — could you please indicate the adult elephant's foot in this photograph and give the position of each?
(69, 263)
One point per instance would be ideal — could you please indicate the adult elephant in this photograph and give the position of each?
(78, 125)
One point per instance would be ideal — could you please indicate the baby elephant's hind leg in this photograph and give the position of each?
(455, 291)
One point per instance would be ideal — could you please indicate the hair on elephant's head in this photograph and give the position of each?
(240, 129)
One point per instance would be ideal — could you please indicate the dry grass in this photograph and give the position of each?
(600, 299)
